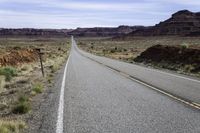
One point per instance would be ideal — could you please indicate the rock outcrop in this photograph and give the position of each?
(183, 23)
(172, 57)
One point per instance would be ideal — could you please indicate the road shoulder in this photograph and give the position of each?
(44, 115)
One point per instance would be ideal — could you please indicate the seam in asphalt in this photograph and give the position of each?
(164, 92)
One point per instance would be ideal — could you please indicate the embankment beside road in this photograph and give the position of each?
(178, 58)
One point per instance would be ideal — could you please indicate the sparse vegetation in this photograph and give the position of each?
(55, 65)
(50, 78)
(185, 45)
(2, 82)
(11, 126)
(25, 68)
(54, 68)
(38, 88)
(16, 76)
(8, 72)
(130, 48)
(22, 106)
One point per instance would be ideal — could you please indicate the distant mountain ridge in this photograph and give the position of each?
(104, 31)
(183, 23)
(80, 32)
(33, 32)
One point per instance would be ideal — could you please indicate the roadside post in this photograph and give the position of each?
(40, 53)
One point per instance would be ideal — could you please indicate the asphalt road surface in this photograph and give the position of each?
(97, 99)
(182, 86)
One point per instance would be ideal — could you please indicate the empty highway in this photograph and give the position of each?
(98, 99)
(91, 95)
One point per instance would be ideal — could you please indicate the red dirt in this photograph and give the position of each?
(17, 57)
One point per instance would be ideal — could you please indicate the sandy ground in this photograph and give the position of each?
(29, 73)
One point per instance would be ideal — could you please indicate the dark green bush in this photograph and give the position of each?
(8, 72)
(22, 106)
(23, 99)
(112, 51)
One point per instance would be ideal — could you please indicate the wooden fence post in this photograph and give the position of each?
(40, 58)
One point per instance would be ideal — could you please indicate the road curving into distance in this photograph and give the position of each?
(98, 99)
(180, 86)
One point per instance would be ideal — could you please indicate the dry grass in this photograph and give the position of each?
(22, 105)
(38, 88)
(2, 83)
(127, 50)
(29, 74)
(11, 126)
(132, 47)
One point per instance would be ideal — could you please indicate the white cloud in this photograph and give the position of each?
(48, 20)
(71, 14)
(103, 6)
(115, 6)
(178, 2)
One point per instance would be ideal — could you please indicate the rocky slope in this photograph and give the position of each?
(16, 57)
(183, 23)
(178, 57)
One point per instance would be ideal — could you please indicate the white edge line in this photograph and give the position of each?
(59, 125)
(193, 104)
(163, 72)
(151, 69)
(195, 80)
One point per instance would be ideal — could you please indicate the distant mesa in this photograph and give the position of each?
(182, 23)
(104, 31)
(33, 32)
(81, 32)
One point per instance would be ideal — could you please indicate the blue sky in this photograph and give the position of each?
(88, 13)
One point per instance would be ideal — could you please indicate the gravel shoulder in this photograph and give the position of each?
(44, 115)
